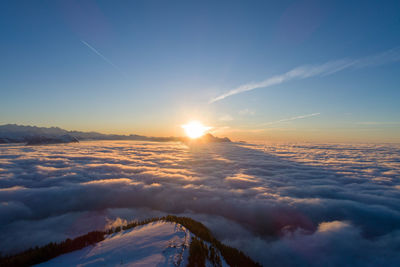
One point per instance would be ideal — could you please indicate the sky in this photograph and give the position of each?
(251, 70)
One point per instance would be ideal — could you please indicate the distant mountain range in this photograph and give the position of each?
(33, 135)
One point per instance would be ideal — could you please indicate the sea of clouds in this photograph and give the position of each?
(283, 204)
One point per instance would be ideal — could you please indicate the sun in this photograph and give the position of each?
(195, 129)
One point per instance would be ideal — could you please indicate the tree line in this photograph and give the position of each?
(198, 250)
(37, 255)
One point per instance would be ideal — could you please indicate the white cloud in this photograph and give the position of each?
(246, 111)
(226, 117)
(307, 71)
(377, 123)
(278, 202)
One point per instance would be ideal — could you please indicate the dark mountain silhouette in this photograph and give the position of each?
(42, 140)
(33, 135)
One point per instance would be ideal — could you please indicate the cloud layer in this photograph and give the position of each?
(283, 204)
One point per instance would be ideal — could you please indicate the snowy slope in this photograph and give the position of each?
(154, 244)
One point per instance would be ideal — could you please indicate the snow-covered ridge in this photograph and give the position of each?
(154, 244)
(166, 241)
(157, 243)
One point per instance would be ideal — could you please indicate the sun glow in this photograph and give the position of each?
(195, 129)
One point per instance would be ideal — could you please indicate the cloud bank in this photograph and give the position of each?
(284, 205)
(308, 71)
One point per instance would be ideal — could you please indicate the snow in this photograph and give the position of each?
(154, 244)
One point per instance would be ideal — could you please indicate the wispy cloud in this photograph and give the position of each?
(307, 71)
(372, 123)
(246, 111)
(262, 127)
(293, 118)
(103, 57)
(226, 117)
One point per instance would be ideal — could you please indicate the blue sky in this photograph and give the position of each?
(147, 67)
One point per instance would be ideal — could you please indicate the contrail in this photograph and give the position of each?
(261, 127)
(293, 118)
(308, 71)
(103, 57)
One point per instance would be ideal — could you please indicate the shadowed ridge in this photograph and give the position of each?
(232, 256)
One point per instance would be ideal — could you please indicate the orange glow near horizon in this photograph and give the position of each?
(195, 129)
